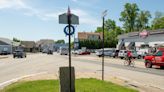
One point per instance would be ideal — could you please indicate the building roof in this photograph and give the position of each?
(28, 44)
(44, 42)
(132, 34)
(6, 40)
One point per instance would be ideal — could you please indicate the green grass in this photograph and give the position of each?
(82, 85)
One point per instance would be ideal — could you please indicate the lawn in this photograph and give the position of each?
(82, 85)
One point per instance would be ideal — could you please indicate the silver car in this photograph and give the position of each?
(106, 53)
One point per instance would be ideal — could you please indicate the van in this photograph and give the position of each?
(63, 51)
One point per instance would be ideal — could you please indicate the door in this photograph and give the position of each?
(158, 57)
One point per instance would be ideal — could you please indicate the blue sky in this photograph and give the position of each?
(38, 19)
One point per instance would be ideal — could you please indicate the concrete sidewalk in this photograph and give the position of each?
(3, 57)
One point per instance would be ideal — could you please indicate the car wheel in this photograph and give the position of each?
(139, 57)
(162, 67)
(122, 58)
(148, 64)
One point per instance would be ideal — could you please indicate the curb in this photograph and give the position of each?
(3, 57)
(6, 83)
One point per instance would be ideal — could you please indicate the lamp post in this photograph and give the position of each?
(103, 17)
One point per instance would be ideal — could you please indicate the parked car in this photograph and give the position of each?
(115, 53)
(19, 54)
(50, 52)
(134, 54)
(122, 54)
(76, 52)
(141, 54)
(45, 51)
(63, 51)
(84, 53)
(4, 53)
(107, 52)
(155, 59)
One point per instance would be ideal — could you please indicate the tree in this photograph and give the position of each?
(158, 21)
(110, 24)
(142, 20)
(158, 24)
(16, 40)
(129, 16)
(60, 41)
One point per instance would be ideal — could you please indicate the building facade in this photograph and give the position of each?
(29, 46)
(45, 44)
(89, 36)
(5, 45)
(137, 40)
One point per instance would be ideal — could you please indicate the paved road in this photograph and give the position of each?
(152, 79)
(156, 71)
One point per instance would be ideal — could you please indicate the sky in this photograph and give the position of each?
(32, 20)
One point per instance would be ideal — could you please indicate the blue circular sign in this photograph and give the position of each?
(66, 30)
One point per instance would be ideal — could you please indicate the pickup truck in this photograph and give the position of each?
(155, 59)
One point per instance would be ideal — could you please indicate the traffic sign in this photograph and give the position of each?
(63, 19)
(66, 31)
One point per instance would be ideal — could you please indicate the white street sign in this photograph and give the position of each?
(63, 19)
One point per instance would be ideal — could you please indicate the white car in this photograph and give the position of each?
(122, 54)
(76, 52)
(63, 51)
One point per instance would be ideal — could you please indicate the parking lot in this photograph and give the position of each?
(150, 80)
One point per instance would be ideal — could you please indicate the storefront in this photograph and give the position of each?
(138, 40)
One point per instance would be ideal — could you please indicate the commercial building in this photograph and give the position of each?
(5, 45)
(45, 44)
(29, 46)
(138, 40)
(89, 36)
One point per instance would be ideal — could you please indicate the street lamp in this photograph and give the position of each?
(103, 17)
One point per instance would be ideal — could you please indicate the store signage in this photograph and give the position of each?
(144, 34)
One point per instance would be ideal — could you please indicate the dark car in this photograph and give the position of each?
(4, 53)
(50, 52)
(19, 54)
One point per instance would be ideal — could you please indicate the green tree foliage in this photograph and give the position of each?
(110, 24)
(60, 41)
(129, 16)
(90, 44)
(158, 24)
(111, 32)
(142, 20)
(16, 40)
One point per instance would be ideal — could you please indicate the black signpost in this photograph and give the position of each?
(103, 16)
(68, 18)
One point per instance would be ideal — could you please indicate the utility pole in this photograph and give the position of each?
(103, 16)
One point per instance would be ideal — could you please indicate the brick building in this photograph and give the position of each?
(89, 36)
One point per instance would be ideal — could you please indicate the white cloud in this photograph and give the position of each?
(20, 5)
(85, 17)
